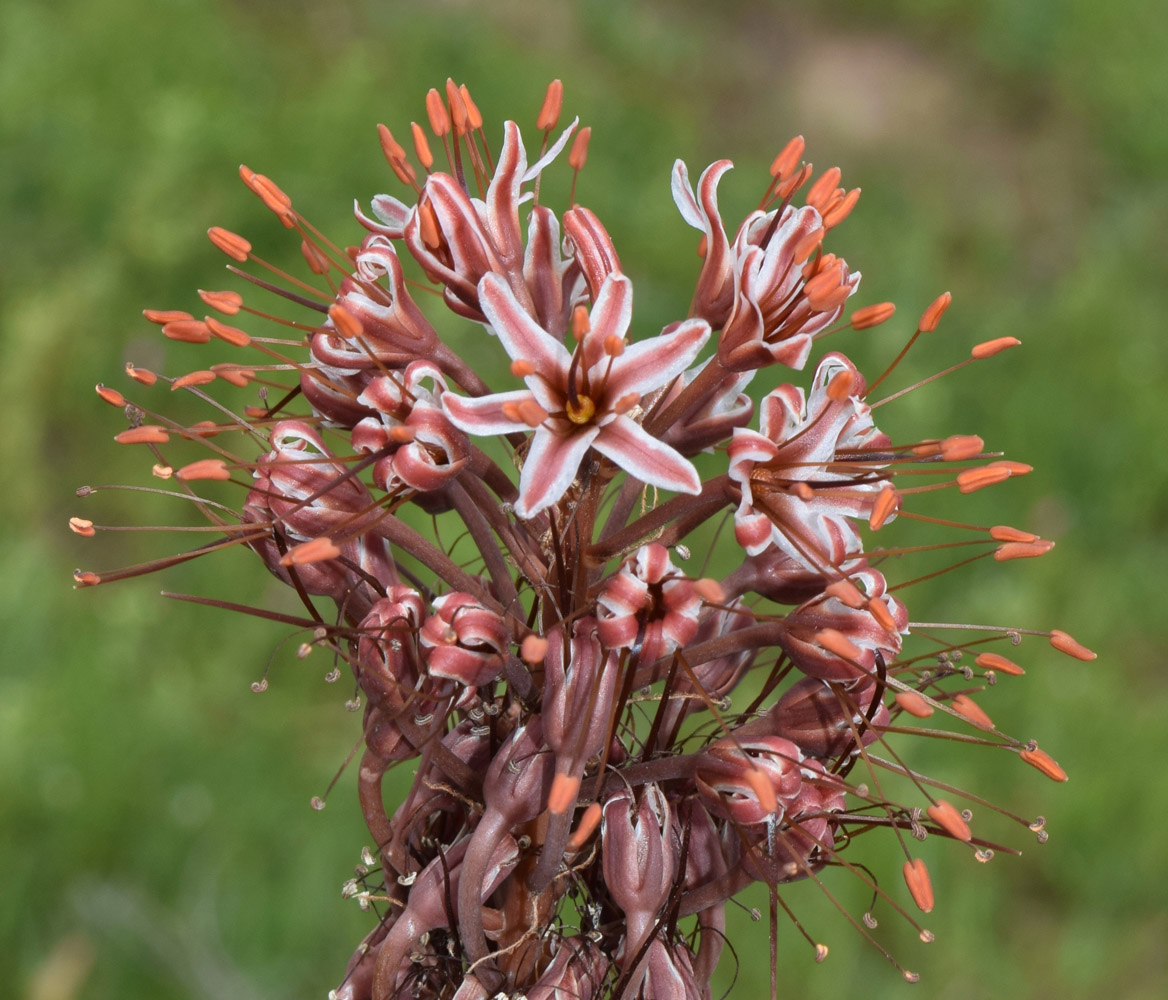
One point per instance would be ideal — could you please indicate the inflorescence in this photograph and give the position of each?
(588, 797)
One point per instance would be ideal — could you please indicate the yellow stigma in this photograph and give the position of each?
(580, 410)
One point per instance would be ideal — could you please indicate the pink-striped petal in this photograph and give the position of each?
(645, 457)
(551, 465)
(484, 414)
(521, 336)
(650, 364)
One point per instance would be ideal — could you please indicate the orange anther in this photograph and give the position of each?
(614, 346)
(626, 402)
(111, 396)
(1004, 533)
(792, 184)
(823, 189)
(531, 413)
(204, 429)
(562, 796)
(841, 209)
(189, 331)
(709, 590)
(914, 703)
(347, 325)
(233, 374)
(884, 507)
(317, 262)
(84, 578)
(228, 303)
(932, 315)
(808, 245)
(314, 551)
(871, 316)
(878, 609)
(960, 447)
(971, 480)
(207, 468)
(763, 790)
(522, 369)
(846, 592)
(839, 389)
(142, 375)
(204, 377)
(927, 449)
(1065, 644)
(269, 193)
(1022, 550)
(389, 145)
(255, 412)
(428, 222)
(588, 824)
(232, 244)
(232, 334)
(991, 347)
(553, 100)
(458, 113)
(578, 154)
(421, 146)
(916, 877)
(804, 491)
(946, 816)
(164, 316)
(533, 649)
(436, 112)
(1014, 468)
(161, 471)
(146, 434)
(474, 117)
(1045, 763)
(992, 661)
(581, 323)
(966, 706)
(82, 526)
(838, 643)
(787, 161)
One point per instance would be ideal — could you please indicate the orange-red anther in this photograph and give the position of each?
(207, 468)
(878, 609)
(84, 578)
(1004, 533)
(946, 816)
(1065, 644)
(553, 100)
(204, 429)
(164, 316)
(972, 480)
(914, 703)
(111, 396)
(314, 551)
(927, 449)
(966, 706)
(1022, 550)
(232, 244)
(787, 162)
(839, 389)
(562, 797)
(146, 434)
(458, 113)
(614, 346)
(82, 526)
(588, 824)
(709, 590)
(763, 790)
(885, 505)
(474, 117)
(836, 642)
(521, 368)
(846, 592)
(804, 491)
(533, 649)
(161, 471)
(578, 154)
(1045, 763)
(228, 303)
(992, 661)
(437, 113)
(232, 334)
(143, 375)
(841, 209)
(989, 348)
(873, 315)
(189, 331)
(823, 189)
(421, 146)
(317, 262)
(960, 447)
(1012, 467)
(204, 377)
(808, 245)
(346, 323)
(916, 877)
(581, 323)
(269, 193)
(932, 315)
(389, 145)
(428, 221)
(233, 374)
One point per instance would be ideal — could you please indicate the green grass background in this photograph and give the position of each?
(155, 832)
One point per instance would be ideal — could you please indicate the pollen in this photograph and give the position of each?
(916, 877)
(946, 816)
(82, 526)
(1065, 644)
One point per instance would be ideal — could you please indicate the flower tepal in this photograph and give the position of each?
(616, 715)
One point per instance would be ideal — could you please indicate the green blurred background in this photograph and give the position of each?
(156, 838)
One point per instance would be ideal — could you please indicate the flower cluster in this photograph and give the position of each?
(550, 656)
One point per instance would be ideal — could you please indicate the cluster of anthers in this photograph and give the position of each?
(587, 796)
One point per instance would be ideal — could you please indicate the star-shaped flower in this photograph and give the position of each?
(581, 400)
